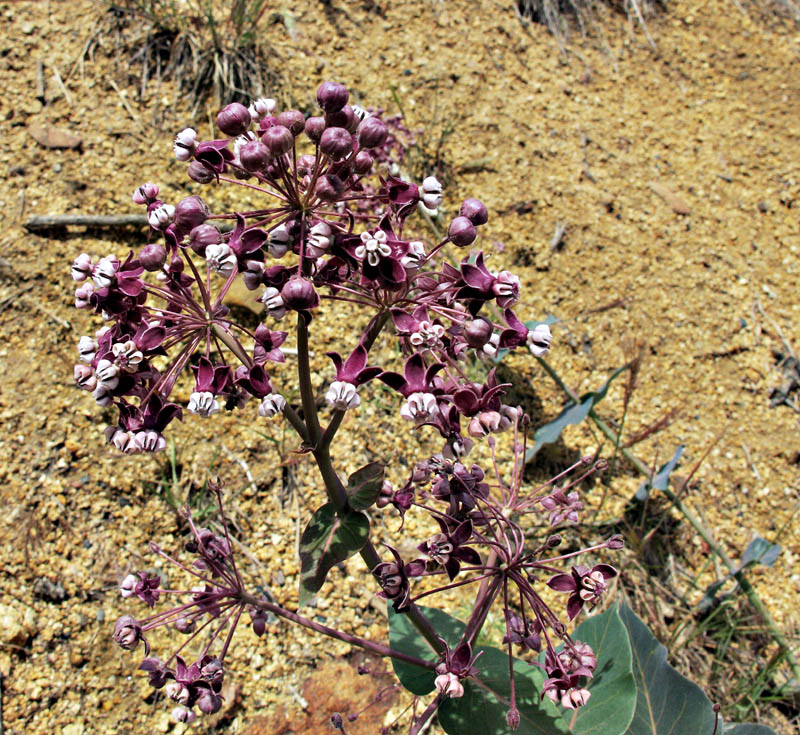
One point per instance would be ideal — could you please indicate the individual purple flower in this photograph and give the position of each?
(456, 666)
(267, 345)
(350, 374)
(447, 550)
(157, 672)
(393, 579)
(142, 585)
(523, 632)
(585, 585)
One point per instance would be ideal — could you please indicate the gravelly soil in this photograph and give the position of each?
(612, 148)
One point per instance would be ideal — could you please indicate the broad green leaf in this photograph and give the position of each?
(611, 706)
(760, 551)
(404, 637)
(574, 413)
(659, 481)
(364, 486)
(667, 703)
(734, 729)
(327, 540)
(486, 702)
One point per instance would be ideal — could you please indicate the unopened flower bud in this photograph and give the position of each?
(152, 256)
(332, 96)
(362, 164)
(337, 721)
(462, 232)
(616, 542)
(81, 267)
(294, 120)
(278, 139)
(553, 541)
(185, 625)
(200, 173)
(475, 211)
(201, 237)
(234, 119)
(512, 718)
(329, 187)
(344, 118)
(190, 212)
(145, 194)
(209, 702)
(299, 294)
(478, 332)
(336, 143)
(271, 405)
(372, 133)
(254, 156)
(315, 127)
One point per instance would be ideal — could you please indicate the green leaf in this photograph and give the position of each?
(364, 486)
(760, 551)
(327, 540)
(667, 703)
(486, 702)
(610, 709)
(574, 413)
(747, 730)
(659, 481)
(404, 637)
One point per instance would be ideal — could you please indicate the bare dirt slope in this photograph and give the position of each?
(676, 176)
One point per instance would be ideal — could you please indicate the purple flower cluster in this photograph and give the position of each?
(164, 306)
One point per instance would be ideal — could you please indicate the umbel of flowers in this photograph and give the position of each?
(328, 231)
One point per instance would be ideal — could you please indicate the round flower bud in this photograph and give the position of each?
(254, 156)
(363, 163)
(294, 120)
(336, 143)
(344, 118)
(616, 542)
(314, 128)
(234, 119)
(305, 164)
(462, 232)
(208, 702)
(372, 132)
(477, 332)
(332, 96)
(298, 294)
(329, 187)
(475, 211)
(200, 173)
(191, 212)
(202, 236)
(152, 256)
(278, 139)
(145, 194)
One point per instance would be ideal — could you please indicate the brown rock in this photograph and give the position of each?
(51, 137)
(670, 197)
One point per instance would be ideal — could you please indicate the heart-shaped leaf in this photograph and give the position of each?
(404, 637)
(610, 708)
(327, 540)
(574, 413)
(364, 486)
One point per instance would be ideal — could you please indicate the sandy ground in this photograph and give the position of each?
(675, 176)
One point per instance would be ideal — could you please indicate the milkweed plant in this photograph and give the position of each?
(332, 227)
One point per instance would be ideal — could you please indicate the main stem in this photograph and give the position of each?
(321, 452)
